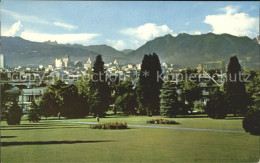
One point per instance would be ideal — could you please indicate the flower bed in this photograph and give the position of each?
(161, 121)
(109, 125)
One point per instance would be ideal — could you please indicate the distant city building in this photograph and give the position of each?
(40, 66)
(115, 62)
(222, 66)
(138, 66)
(165, 65)
(2, 61)
(78, 64)
(58, 63)
(200, 67)
(88, 64)
(66, 61)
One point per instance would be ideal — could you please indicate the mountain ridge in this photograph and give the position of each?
(184, 50)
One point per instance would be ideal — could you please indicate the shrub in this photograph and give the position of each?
(251, 122)
(33, 116)
(109, 125)
(14, 114)
(217, 106)
(161, 121)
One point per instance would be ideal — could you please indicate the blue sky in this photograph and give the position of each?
(126, 24)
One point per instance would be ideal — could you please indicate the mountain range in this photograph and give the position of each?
(183, 50)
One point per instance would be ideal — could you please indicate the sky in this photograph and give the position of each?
(125, 24)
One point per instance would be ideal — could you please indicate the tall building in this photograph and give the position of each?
(66, 61)
(58, 63)
(115, 62)
(2, 61)
(88, 64)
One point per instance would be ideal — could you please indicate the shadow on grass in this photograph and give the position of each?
(24, 125)
(50, 127)
(191, 116)
(8, 136)
(4, 144)
(234, 118)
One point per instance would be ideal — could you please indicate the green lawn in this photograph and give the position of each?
(50, 141)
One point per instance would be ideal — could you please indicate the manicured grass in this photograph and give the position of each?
(50, 141)
(229, 123)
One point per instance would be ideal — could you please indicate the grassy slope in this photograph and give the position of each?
(135, 144)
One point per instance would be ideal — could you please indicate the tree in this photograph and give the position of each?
(4, 99)
(217, 106)
(125, 97)
(253, 89)
(251, 122)
(33, 115)
(149, 85)
(235, 88)
(14, 114)
(191, 93)
(73, 103)
(52, 100)
(169, 105)
(99, 89)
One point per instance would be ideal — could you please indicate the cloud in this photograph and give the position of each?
(147, 31)
(139, 35)
(14, 29)
(25, 18)
(197, 33)
(64, 25)
(233, 22)
(34, 19)
(80, 38)
(117, 44)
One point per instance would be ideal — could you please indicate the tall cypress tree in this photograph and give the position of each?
(99, 89)
(149, 85)
(169, 105)
(235, 88)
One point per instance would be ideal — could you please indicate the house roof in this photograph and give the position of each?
(35, 91)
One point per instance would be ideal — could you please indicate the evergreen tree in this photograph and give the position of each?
(149, 85)
(235, 88)
(33, 115)
(217, 106)
(4, 98)
(14, 114)
(169, 105)
(99, 89)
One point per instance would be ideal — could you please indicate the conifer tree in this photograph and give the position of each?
(169, 104)
(149, 85)
(99, 89)
(235, 88)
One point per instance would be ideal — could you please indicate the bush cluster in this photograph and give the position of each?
(251, 122)
(161, 121)
(33, 116)
(109, 125)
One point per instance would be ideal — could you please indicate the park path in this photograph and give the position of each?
(160, 127)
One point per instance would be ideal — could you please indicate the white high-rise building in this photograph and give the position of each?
(115, 62)
(2, 61)
(88, 64)
(58, 63)
(66, 61)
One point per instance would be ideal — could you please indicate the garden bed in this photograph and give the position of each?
(109, 125)
(161, 121)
